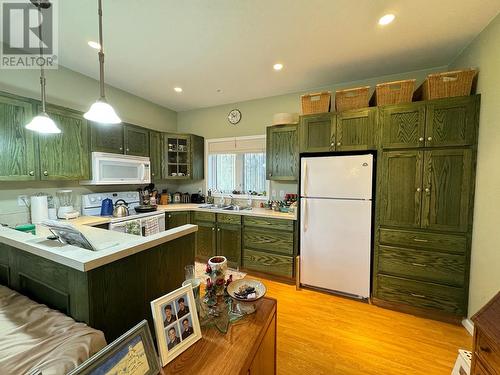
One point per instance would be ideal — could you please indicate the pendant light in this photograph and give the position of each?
(101, 111)
(42, 123)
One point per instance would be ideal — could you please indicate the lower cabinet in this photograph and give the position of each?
(176, 219)
(218, 235)
(422, 270)
(269, 245)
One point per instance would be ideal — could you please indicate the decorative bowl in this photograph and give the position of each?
(235, 286)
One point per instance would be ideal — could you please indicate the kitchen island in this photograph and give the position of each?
(109, 289)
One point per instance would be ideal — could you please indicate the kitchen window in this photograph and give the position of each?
(237, 166)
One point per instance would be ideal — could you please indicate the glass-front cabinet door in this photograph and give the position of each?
(178, 151)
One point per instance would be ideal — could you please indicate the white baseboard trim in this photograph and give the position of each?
(469, 326)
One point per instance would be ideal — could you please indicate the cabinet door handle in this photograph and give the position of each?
(213, 228)
(332, 144)
(419, 190)
(418, 295)
(169, 216)
(121, 148)
(31, 173)
(421, 139)
(128, 150)
(45, 173)
(419, 265)
(420, 240)
(429, 139)
(338, 143)
(427, 189)
(218, 229)
(152, 174)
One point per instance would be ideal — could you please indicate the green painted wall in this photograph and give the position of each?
(484, 53)
(74, 90)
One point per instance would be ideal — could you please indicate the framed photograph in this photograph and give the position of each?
(176, 323)
(133, 353)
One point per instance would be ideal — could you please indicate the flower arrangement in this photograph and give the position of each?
(216, 283)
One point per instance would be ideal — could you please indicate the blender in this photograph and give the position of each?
(65, 198)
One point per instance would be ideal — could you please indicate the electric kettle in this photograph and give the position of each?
(121, 208)
(107, 207)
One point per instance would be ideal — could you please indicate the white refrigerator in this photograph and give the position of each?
(336, 223)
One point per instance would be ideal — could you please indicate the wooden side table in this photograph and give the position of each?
(249, 347)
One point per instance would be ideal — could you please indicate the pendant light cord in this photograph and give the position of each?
(42, 71)
(101, 52)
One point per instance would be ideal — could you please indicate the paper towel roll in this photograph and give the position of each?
(39, 209)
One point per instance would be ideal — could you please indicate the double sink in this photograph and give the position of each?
(230, 207)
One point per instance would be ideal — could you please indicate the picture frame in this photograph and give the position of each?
(176, 323)
(132, 353)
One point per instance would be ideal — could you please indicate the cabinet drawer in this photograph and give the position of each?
(229, 219)
(421, 294)
(423, 265)
(204, 216)
(424, 240)
(263, 222)
(480, 369)
(266, 240)
(488, 353)
(268, 263)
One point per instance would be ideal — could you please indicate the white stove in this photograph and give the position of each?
(91, 206)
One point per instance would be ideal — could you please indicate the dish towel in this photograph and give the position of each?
(133, 227)
(151, 226)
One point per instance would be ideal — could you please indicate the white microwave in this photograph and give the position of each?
(117, 169)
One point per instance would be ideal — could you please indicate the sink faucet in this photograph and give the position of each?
(231, 202)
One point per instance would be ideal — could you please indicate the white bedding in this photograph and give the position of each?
(32, 336)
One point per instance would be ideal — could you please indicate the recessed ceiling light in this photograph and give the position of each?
(93, 44)
(178, 89)
(386, 19)
(219, 91)
(278, 66)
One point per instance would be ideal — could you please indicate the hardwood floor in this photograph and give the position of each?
(320, 333)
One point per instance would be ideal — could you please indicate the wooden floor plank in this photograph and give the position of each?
(319, 333)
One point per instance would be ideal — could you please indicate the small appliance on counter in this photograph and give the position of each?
(65, 198)
(176, 197)
(121, 208)
(197, 198)
(185, 198)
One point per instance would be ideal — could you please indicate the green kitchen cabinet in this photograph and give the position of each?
(183, 157)
(403, 125)
(18, 151)
(446, 189)
(206, 240)
(106, 138)
(176, 219)
(282, 153)
(65, 156)
(218, 235)
(136, 140)
(356, 130)
(229, 243)
(155, 154)
(401, 188)
(317, 132)
(451, 122)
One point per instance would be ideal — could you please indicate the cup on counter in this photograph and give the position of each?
(189, 272)
(174, 174)
(195, 284)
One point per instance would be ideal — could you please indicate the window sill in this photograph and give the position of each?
(241, 196)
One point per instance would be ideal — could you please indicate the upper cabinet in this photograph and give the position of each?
(451, 122)
(356, 130)
(183, 156)
(426, 189)
(17, 145)
(282, 153)
(107, 138)
(436, 123)
(155, 154)
(136, 140)
(120, 139)
(317, 132)
(65, 156)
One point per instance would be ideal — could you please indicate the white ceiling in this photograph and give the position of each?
(204, 45)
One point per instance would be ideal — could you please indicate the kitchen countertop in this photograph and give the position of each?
(256, 211)
(111, 246)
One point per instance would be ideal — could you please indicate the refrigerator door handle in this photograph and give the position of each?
(305, 179)
(306, 224)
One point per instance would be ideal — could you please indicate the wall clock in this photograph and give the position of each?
(234, 116)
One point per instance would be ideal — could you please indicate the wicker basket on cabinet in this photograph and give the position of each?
(352, 98)
(393, 92)
(319, 102)
(447, 84)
